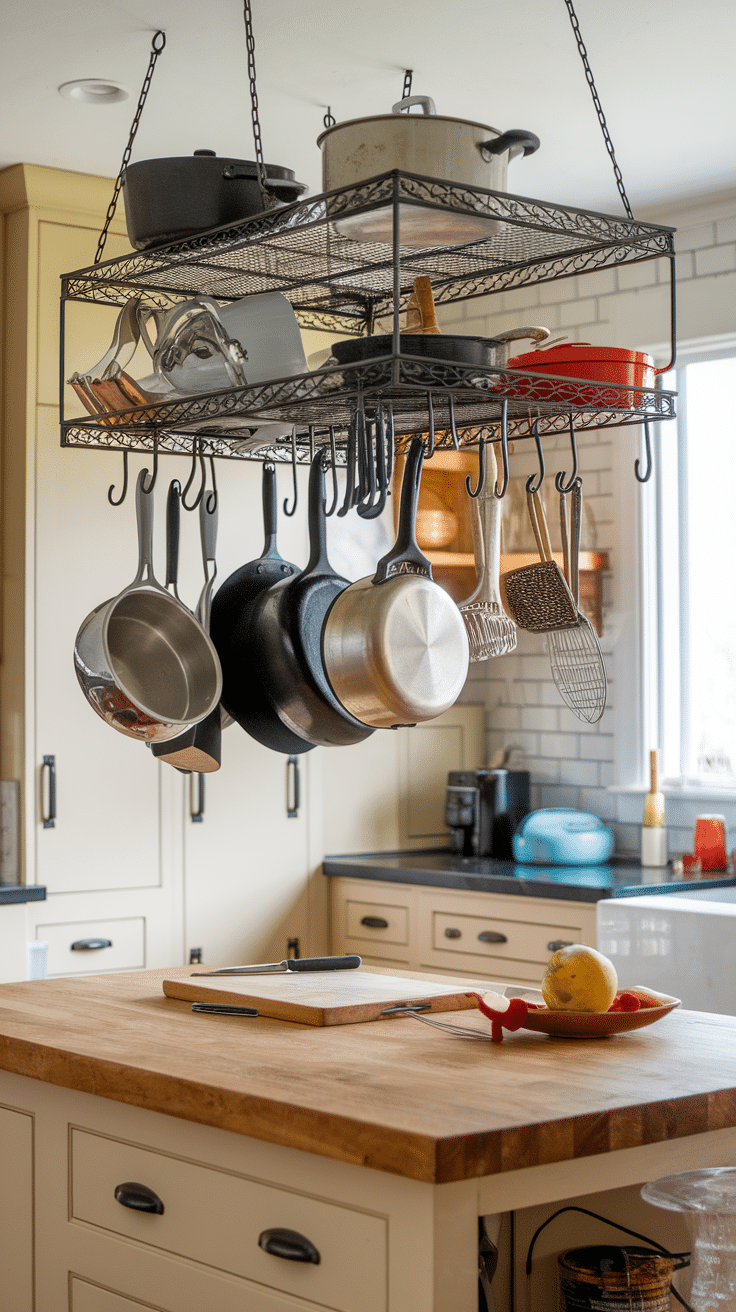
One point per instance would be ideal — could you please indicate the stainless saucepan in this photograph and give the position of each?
(143, 662)
(394, 646)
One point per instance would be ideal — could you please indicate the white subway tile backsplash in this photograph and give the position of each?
(564, 746)
(577, 312)
(691, 239)
(551, 293)
(584, 774)
(539, 717)
(543, 770)
(599, 802)
(596, 747)
(725, 230)
(718, 259)
(684, 268)
(508, 717)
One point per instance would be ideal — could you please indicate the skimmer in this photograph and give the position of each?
(489, 629)
(574, 654)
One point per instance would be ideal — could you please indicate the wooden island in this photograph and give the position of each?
(380, 1143)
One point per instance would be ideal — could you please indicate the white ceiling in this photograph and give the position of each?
(664, 71)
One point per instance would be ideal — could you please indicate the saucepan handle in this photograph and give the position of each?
(405, 557)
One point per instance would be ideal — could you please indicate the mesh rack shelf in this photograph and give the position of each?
(343, 286)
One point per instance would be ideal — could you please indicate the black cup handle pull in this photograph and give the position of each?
(492, 936)
(91, 944)
(138, 1197)
(48, 810)
(557, 943)
(292, 788)
(453, 933)
(374, 922)
(288, 1244)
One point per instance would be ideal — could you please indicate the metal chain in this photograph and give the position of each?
(266, 197)
(598, 107)
(408, 75)
(155, 52)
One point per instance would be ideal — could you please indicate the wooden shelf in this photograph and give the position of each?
(589, 560)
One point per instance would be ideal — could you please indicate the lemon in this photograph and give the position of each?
(579, 979)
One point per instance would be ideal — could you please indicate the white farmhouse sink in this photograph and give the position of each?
(684, 944)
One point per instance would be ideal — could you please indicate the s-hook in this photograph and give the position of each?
(196, 455)
(531, 486)
(499, 493)
(329, 119)
(481, 472)
(453, 425)
(333, 462)
(291, 512)
(559, 484)
(150, 484)
(124, 492)
(644, 478)
(430, 411)
(212, 497)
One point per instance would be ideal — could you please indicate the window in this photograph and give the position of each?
(696, 550)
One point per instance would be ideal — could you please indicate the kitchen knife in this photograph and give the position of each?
(293, 965)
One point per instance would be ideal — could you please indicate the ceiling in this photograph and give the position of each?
(663, 71)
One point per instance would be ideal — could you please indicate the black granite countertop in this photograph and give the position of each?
(441, 868)
(21, 893)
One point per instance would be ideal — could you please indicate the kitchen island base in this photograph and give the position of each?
(386, 1243)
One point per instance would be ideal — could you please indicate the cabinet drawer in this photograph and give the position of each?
(215, 1217)
(378, 922)
(126, 937)
(491, 937)
(211, 1295)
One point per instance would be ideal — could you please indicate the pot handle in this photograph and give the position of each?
(318, 562)
(517, 334)
(232, 173)
(405, 556)
(516, 142)
(426, 103)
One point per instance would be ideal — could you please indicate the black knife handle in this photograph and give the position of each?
(324, 963)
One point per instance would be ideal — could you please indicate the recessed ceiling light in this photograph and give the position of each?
(94, 91)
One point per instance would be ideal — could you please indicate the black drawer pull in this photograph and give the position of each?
(288, 1244)
(91, 944)
(492, 936)
(138, 1197)
(374, 922)
(453, 933)
(558, 943)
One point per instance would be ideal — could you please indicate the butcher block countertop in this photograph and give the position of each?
(391, 1094)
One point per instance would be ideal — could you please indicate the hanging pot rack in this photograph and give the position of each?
(341, 286)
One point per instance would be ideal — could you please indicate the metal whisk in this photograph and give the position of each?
(489, 629)
(575, 656)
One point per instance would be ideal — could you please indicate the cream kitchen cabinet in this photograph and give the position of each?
(502, 936)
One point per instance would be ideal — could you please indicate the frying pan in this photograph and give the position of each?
(143, 661)
(476, 352)
(395, 646)
(286, 639)
(198, 748)
(243, 695)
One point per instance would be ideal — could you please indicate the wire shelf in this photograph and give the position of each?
(340, 284)
(223, 422)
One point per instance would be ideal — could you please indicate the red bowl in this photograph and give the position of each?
(603, 364)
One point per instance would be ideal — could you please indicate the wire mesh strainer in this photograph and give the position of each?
(575, 656)
(489, 629)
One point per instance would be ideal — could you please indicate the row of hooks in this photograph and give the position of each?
(370, 460)
(150, 483)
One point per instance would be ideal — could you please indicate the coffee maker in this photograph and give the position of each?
(483, 810)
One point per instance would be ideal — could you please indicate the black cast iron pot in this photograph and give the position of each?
(171, 199)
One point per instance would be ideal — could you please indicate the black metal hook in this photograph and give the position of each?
(559, 483)
(377, 507)
(531, 486)
(644, 478)
(430, 411)
(499, 493)
(124, 492)
(311, 443)
(291, 512)
(150, 483)
(212, 497)
(481, 472)
(453, 425)
(196, 455)
(333, 462)
(329, 119)
(352, 457)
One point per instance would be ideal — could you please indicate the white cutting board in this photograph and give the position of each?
(329, 997)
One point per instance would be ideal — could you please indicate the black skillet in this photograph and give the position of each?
(243, 695)
(286, 639)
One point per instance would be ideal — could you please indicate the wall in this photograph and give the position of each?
(573, 764)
